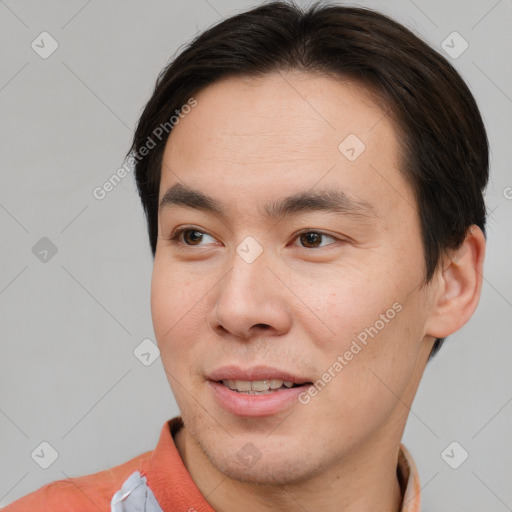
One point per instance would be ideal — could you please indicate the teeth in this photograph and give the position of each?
(256, 385)
(241, 385)
(275, 383)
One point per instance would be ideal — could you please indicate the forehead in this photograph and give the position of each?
(285, 108)
(287, 131)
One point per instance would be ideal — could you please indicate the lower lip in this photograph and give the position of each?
(242, 404)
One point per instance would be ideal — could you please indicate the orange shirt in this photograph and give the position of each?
(168, 479)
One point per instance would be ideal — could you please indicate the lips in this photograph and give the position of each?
(256, 373)
(253, 403)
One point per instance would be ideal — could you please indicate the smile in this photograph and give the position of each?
(257, 387)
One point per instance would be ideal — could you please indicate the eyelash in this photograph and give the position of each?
(179, 231)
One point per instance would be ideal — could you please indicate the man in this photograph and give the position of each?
(313, 188)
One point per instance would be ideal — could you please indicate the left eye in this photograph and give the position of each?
(314, 239)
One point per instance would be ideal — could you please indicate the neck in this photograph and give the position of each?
(365, 480)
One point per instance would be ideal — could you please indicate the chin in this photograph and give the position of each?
(270, 465)
(273, 472)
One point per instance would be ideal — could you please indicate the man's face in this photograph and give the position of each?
(297, 285)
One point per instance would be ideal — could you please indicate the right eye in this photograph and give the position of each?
(190, 236)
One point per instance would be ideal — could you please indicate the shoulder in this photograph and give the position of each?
(82, 494)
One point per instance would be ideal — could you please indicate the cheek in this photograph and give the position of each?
(373, 323)
(178, 311)
(343, 303)
(367, 380)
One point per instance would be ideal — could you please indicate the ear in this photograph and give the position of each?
(458, 286)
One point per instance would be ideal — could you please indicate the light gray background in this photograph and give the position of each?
(68, 328)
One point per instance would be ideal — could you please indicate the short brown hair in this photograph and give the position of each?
(443, 141)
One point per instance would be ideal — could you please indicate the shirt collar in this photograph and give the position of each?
(409, 480)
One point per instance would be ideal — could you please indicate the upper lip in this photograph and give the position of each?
(252, 373)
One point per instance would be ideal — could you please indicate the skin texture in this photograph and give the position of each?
(298, 307)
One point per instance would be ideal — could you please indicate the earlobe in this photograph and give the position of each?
(459, 286)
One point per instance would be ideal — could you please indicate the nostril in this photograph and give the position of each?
(262, 326)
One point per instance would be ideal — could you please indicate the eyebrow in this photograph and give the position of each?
(329, 200)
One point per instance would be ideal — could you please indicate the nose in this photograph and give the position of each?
(250, 302)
